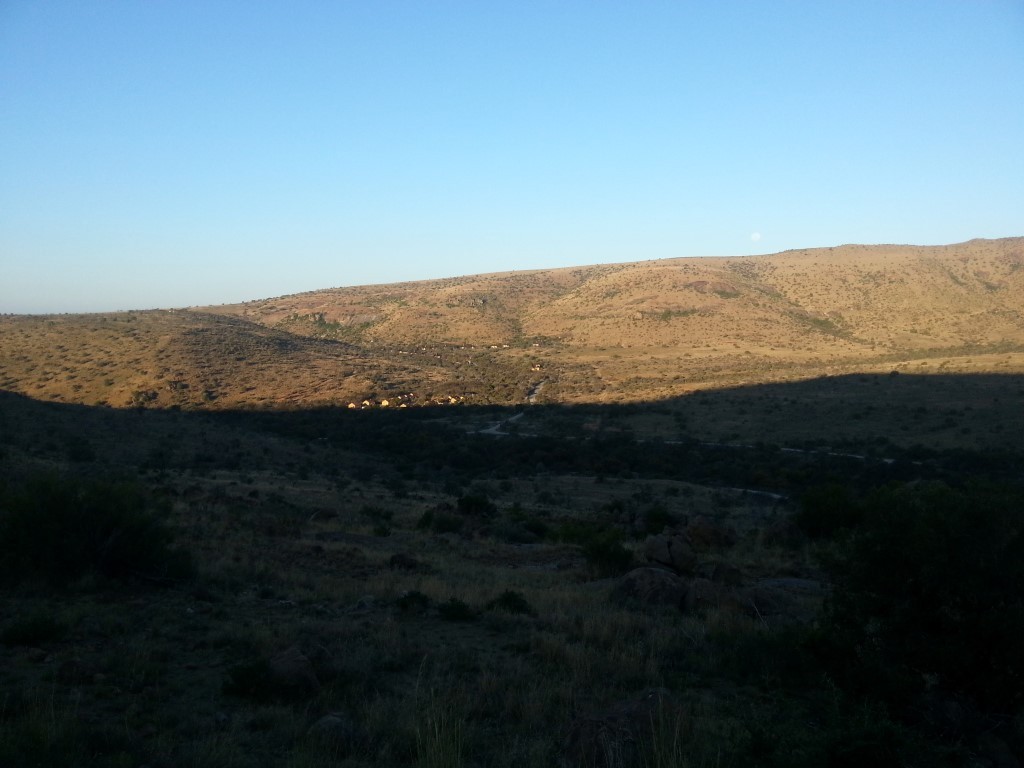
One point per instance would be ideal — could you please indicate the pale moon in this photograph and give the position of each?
(755, 236)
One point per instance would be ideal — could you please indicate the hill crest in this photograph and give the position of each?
(613, 332)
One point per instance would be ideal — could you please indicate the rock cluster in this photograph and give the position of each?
(676, 576)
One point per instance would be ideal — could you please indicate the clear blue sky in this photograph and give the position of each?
(164, 154)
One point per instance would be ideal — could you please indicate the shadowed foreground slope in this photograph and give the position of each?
(442, 586)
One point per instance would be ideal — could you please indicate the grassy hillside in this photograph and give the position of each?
(612, 333)
(327, 587)
(700, 512)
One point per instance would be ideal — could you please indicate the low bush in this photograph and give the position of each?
(34, 630)
(45, 732)
(511, 602)
(929, 593)
(826, 510)
(440, 521)
(605, 554)
(476, 505)
(59, 530)
(412, 601)
(456, 610)
(573, 532)
(656, 518)
(253, 680)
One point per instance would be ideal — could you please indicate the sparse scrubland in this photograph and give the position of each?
(619, 541)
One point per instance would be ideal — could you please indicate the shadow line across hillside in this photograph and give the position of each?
(774, 438)
(344, 557)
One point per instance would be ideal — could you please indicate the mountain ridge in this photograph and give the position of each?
(628, 331)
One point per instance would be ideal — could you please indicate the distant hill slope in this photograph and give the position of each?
(631, 331)
(164, 358)
(897, 297)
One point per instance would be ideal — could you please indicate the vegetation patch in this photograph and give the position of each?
(60, 529)
(34, 631)
(513, 602)
(455, 609)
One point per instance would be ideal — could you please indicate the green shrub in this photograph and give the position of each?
(456, 610)
(930, 588)
(34, 630)
(79, 449)
(606, 555)
(252, 680)
(536, 527)
(656, 518)
(511, 602)
(513, 533)
(825, 510)
(602, 546)
(376, 514)
(444, 523)
(44, 731)
(844, 733)
(440, 521)
(476, 505)
(413, 600)
(573, 532)
(774, 658)
(61, 529)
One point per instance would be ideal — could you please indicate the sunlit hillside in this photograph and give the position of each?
(624, 332)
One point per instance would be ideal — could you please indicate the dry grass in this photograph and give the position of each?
(294, 515)
(616, 333)
(142, 675)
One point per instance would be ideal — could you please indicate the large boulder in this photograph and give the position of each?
(651, 586)
(671, 549)
(621, 736)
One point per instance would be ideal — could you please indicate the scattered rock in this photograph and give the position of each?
(672, 549)
(621, 735)
(651, 586)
